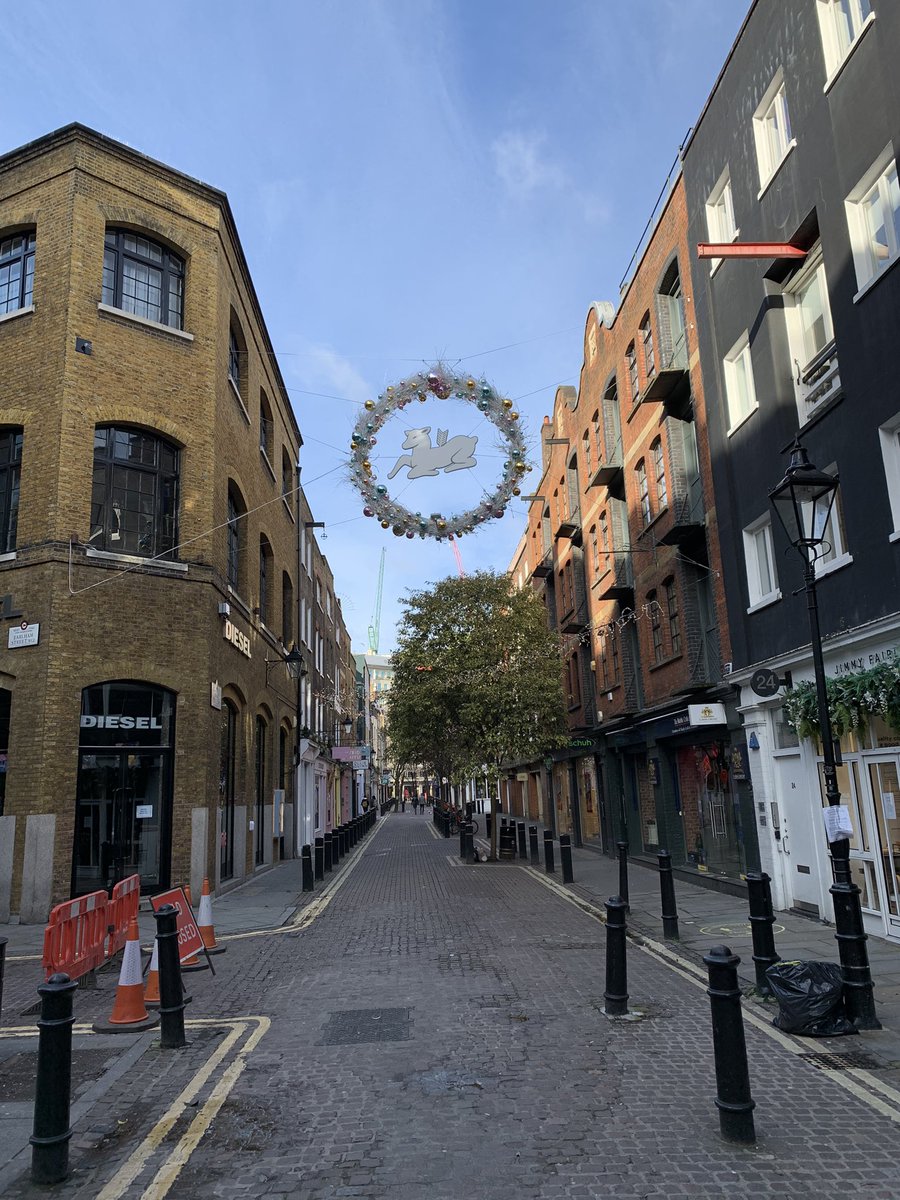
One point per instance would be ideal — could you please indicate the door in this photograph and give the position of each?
(795, 815)
(120, 820)
(884, 785)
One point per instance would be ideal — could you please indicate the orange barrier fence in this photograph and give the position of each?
(122, 910)
(75, 937)
(82, 934)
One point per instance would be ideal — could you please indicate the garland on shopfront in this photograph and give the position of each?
(853, 700)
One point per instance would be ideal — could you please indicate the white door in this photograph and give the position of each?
(797, 812)
(883, 777)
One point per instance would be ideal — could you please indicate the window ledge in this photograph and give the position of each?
(157, 326)
(238, 397)
(843, 560)
(743, 420)
(269, 466)
(717, 262)
(835, 74)
(287, 509)
(894, 537)
(870, 283)
(18, 312)
(8, 557)
(787, 154)
(137, 560)
(665, 662)
(772, 598)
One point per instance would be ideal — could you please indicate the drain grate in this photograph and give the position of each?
(356, 1026)
(825, 1061)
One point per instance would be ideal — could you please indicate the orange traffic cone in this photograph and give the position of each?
(129, 1015)
(193, 963)
(151, 983)
(205, 922)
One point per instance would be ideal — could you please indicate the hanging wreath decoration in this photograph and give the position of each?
(424, 459)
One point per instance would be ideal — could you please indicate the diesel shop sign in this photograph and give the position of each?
(232, 634)
(120, 722)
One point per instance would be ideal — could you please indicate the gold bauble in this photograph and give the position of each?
(423, 397)
(367, 466)
(370, 404)
(470, 383)
(514, 416)
(389, 390)
(385, 524)
(442, 524)
(517, 491)
(507, 403)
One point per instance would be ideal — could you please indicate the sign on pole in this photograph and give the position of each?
(189, 940)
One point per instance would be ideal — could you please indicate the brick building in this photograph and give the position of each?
(622, 541)
(150, 526)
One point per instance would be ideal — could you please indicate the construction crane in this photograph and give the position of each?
(375, 627)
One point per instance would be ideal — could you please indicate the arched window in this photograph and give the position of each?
(672, 614)
(266, 428)
(604, 539)
(647, 342)
(16, 271)
(227, 781)
(134, 499)
(259, 839)
(237, 357)
(659, 471)
(287, 609)
(643, 492)
(670, 311)
(655, 625)
(10, 472)
(287, 478)
(265, 578)
(632, 368)
(143, 277)
(236, 540)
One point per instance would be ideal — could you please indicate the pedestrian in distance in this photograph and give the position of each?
(403, 804)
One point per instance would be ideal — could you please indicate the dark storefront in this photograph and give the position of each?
(123, 818)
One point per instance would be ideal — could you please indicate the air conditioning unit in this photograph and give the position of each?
(727, 668)
(224, 608)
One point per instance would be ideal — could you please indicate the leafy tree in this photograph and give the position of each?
(477, 678)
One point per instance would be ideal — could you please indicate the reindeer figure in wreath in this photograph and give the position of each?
(455, 454)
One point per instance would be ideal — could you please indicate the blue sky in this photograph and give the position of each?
(412, 180)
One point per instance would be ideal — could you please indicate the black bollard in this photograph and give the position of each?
(859, 996)
(3, 942)
(523, 846)
(337, 847)
(470, 843)
(171, 992)
(549, 865)
(319, 857)
(462, 840)
(667, 895)
(488, 818)
(733, 1098)
(53, 1086)
(533, 844)
(306, 868)
(565, 857)
(327, 856)
(616, 994)
(622, 848)
(345, 839)
(762, 919)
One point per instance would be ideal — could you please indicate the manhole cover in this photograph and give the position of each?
(358, 1025)
(18, 1072)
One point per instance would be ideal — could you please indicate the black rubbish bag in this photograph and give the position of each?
(811, 999)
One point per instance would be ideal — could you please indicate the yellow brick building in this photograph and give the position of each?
(149, 534)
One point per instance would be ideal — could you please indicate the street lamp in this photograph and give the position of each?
(803, 502)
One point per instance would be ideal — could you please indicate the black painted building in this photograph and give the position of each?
(798, 145)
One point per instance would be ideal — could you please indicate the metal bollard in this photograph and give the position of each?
(523, 847)
(762, 918)
(327, 839)
(667, 895)
(53, 1087)
(345, 839)
(549, 865)
(336, 847)
(470, 843)
(319, 857)
(462, 840)
(622, 848)
(616, 994)
(488, 818)
(733, 1098)
(171, 992)
(533, 844)
(3, 942)
(306, 868)
(565, 857)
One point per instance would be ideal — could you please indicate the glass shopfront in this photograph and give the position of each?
(123, 811)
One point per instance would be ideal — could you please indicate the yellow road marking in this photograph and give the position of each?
(849, 1079)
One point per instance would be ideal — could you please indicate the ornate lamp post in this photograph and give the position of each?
(803, 502)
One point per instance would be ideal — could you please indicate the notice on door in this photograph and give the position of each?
(889, 806)
(143, 812)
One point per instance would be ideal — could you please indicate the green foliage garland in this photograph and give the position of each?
(852, 700)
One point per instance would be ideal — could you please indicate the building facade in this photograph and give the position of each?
(150, 524)
(798, 145)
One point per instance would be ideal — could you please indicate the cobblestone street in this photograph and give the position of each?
(436, 1031)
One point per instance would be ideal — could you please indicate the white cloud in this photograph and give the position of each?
(521, 165)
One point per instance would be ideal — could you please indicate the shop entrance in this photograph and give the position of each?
(124, 799)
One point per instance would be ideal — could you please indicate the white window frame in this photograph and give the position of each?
(815, 378)
(889, 436)
(740, 351)
(721, 204)
(758, 598)
(868, 267)
(828, 11)
(773, 102)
